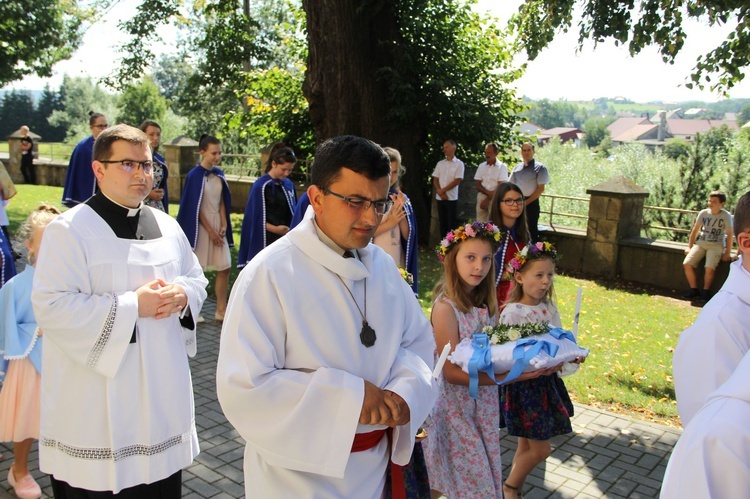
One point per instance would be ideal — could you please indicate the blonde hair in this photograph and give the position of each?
(37, 219)
(450, 286)
(516, 293)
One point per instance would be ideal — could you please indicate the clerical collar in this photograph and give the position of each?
(329, 242)
(114, 205)
(530, 163)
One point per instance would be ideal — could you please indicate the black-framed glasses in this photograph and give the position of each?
(128, 165)
(358, 204)
(511, 202)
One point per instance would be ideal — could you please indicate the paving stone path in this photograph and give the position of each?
(607, 455)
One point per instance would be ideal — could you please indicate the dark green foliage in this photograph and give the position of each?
(596, 131)
(696, 180)
(676, 148)
(141, 101)
(34, 35)
(16, 109)
(548, 114)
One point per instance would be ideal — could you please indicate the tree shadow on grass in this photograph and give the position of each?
(635, 288)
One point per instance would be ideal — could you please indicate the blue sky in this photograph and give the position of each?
(558, 73)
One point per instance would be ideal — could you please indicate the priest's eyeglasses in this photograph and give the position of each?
(128, 165)
(361, 205)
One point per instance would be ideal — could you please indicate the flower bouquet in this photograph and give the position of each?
(406, 276)
(531, 346)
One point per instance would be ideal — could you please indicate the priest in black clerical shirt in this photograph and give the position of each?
(115, 291)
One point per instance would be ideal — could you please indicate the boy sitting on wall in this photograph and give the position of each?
(714, 242)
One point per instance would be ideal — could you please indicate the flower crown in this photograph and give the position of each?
(484, 230)
(528, 253)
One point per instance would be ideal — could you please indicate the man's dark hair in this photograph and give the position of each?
(103, 143)
(359, 155)
(493, 146)
(718, 195)
(742, 215)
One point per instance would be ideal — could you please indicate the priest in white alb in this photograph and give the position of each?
(712, 457)
(115, 292)
(326, 356)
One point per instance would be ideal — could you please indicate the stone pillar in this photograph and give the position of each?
(615, 213)
(14, 152)
(181, 155)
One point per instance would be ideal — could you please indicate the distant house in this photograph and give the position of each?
(530, 129)
(621, 125)
(661, 127)
(688, 129)
(638, 133)
(566, 135)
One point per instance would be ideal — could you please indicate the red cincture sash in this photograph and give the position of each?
(366, 441)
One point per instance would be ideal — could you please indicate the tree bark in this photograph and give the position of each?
(349, 42)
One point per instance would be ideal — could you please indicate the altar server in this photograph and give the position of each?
(712, 457)
(324, 346)
(115, 292)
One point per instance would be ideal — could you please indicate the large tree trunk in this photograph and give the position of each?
(348, 42)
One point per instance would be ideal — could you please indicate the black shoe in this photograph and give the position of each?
(693, 293)
(706, 294)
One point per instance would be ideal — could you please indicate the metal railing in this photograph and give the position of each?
(574, 211)
(569, 203)
(662, 230)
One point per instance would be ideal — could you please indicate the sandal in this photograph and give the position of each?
(514, 489)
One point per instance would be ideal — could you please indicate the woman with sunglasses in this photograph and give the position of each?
(508, 212)
(80, 183)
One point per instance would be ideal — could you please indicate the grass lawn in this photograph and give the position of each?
(630, 331)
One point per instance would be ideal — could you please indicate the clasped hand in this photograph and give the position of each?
(159, 299)
(383, 407)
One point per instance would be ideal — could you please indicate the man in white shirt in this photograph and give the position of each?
(488, 177)
(445, 179)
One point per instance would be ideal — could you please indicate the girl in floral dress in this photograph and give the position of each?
(463, 446)
(534, 410)
(21, 363)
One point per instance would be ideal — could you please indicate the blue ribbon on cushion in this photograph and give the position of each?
(559, 333)
(481, 361)
(523, 356)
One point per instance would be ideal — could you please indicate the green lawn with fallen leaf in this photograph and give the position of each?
(630, 330)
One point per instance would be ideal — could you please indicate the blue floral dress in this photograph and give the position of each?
(536, 408)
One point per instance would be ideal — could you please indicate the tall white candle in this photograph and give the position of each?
(441, 360)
